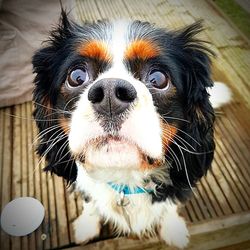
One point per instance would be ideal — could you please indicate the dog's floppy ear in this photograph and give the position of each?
(199, 111)
(193, 56)
(52, 140)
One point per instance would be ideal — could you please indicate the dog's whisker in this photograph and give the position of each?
(57, 110)
(189, 136)
(73, 98)
(181, 131)
(178, 138)
(60, 135)
(61, 150)
(175, 118)
(195, 153)
(66, 161)
(30, 119)
(41, 135)
(184, 142)
(39, 138)
(52, 140)
(174, 157)
(187, 150)
(44, 106)
(56, 140)
(184, 162)
(186, 172)
(44, 132)
(46, 152)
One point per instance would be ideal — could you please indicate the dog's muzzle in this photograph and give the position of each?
(111, 96)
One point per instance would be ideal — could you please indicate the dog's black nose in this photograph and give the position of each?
(111, 96)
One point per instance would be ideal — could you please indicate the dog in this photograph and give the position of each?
(123, 111)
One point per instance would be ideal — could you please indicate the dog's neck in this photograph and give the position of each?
(131, 178)
(126, 190)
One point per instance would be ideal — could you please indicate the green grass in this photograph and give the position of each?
(236, 13)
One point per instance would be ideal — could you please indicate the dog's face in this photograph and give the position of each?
(117, 83)
(125, 95)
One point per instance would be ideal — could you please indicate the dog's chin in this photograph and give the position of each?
(111, 152)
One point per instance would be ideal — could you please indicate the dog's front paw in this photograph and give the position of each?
(86, 227)
(174, 232)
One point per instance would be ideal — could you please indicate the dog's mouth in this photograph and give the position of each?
(113, 143)
(115, 152)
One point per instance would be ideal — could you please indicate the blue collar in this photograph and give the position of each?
(127, 190)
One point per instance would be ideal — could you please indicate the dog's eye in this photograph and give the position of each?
(158, 79)
(77, 77)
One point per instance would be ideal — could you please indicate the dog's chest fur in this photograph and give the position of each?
(143, 215)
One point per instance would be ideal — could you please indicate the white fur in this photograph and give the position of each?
(118, 42)
(84, 125)
(144, 216)
(220, 94)
(173, 228)
(87, 225)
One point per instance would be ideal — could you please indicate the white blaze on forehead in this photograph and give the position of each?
(119, 40)
(116, 47)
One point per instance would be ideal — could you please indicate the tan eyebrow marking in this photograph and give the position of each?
(95, 49)
(142, 49)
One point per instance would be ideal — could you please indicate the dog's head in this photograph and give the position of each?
(125, 96)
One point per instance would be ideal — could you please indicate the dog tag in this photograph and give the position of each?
(123, 202)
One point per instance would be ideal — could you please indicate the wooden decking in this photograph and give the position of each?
(222, 200)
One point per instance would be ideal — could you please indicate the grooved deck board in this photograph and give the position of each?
(224, 194)
(16, 165)
(6, 171)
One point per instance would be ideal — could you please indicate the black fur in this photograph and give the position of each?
(186, 60)
(46, 64)
(192, 56)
